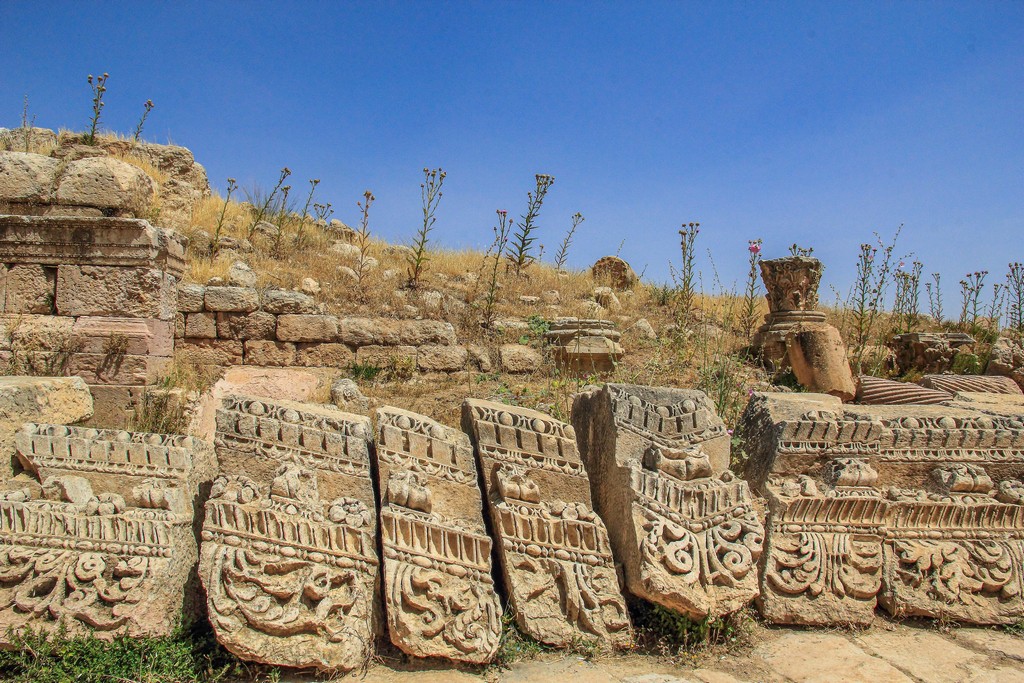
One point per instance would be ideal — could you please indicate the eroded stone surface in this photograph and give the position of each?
(688, 540)
(554, 549)
(584, 346)
(438, 590)
(916, 508)
(106, 546)
(53, 400)
(289, 557)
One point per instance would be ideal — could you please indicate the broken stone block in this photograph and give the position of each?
(255, 325)
(289, 553)
(26, 178)
(201, 325)
(442, 358)
(221, 352)
(929, 352)
(518, 358)
(689, 539)
(190, 298)
(916, 508)
(324, 355)
(278, 301)
(817, 354)
(107, 547)
(438, 590)
(554, 549)
(51, 400)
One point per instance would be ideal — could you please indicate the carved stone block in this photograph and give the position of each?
(438, 590)
(917, 508)
(103, 542)
(690, 540)
(554, 549)
(289, 557)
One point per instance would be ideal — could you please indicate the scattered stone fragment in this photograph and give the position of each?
(605, 296)
(438, 590)
(614, 271)
(688, 538)
(554, 549)
(644, 328)
(346, 395)
(517, 358)
(241, 275)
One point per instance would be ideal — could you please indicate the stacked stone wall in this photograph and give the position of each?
(226, 325)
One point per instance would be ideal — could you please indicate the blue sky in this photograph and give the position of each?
(813, 122)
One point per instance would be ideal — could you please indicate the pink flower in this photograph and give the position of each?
(754, 248)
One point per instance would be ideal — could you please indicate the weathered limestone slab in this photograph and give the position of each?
(554, 549)
(55, 400)
(115, 292)
(687, 539)
(916, 508)
(438, 590)
(105, 183)
(136, 336)
(108, 548)
(70, 240)
(30, 288)
(289, 557)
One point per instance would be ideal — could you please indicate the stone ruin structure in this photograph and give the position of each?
(685, 529)
(90, 296)
(289, 555)
(795, 334)
(918, 509)
(929, 352)
(583, 346)
(438, 589)
(555, 554)
(99, 539)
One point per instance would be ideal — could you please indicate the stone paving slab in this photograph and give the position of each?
(882, 654)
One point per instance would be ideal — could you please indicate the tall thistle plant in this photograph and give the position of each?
(430, 195)
(520, 250)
